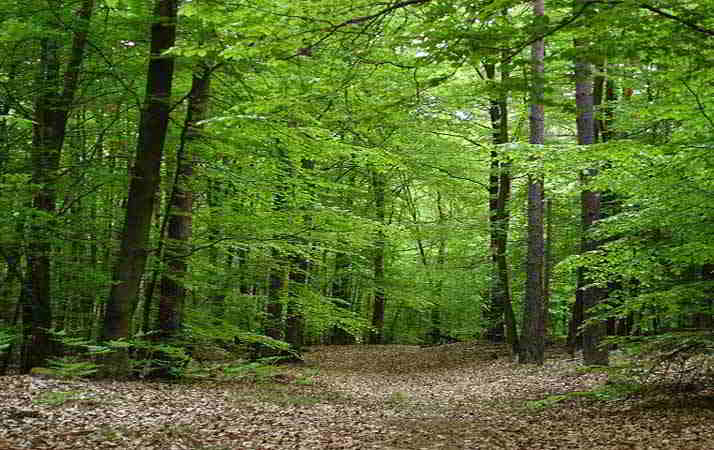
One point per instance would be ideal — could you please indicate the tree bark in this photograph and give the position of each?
(52, 108)
(436, 332)
(501, 315)
(154, 120)
(549, 261)
(532, 345)
(341, 290)
(180, 210)
(593, 331)
(379, 188)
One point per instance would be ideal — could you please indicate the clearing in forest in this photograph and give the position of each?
(458, 396)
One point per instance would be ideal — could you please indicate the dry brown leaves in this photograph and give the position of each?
(457, 396)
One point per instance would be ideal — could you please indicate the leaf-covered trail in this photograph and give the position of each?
(459, 396)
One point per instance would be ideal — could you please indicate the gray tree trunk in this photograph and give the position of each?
(592, 332)
(532, 345)
(180, 211)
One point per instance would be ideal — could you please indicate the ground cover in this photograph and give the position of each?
(458, 396)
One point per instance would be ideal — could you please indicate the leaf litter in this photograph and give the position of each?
(467, 395)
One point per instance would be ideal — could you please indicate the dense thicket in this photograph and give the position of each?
(356, 172)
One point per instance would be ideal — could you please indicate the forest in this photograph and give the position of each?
(261, 190)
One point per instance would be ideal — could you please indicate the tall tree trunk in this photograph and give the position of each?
(129, 267)
(294, 321)
(501, 314)
(54, 101)
(495, 312)
(273, 322)
(273, 325)
(532, 345)
(593, 331)
(179, 210)
(549, 260)
(379, 188)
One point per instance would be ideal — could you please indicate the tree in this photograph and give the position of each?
(180, 209)
(154, 120)
(379, 187)
(52, 109)
(504, 322)
(591, 294)
(532, 344)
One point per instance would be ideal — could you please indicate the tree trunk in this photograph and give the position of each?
(379, 187)
(437, 334)
(273, 323)
(298, 278)
(532, 345)
(294, 322)
(129, 267)
(549, 260)
(343, 293)
(503, 324)
(52, 106)
(179, 211)
(593, 332)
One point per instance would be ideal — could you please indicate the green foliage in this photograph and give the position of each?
(610, 392)
(307, 377)
(259, 371)
(72, 367)
(56, 398)
(7, 337)
(679, 357)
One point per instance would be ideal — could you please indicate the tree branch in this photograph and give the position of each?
(689, 24)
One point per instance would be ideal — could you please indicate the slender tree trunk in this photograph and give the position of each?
(294, 321)
(437, 334)
(379, 188)
(532, 345)
(52, 108)
(549, 262)
(593, 332)
(129, 267)
(298, 279)
(495, 313)
(180, 210)
(501, 314)
(273, 324)
(341, 291)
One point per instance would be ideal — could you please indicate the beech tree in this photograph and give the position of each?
(154, 120)
(532, 345)
(593, 332)
(54, 102)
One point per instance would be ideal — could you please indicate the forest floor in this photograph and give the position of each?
(457, 396)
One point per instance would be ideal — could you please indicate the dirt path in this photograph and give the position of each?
(459, 396)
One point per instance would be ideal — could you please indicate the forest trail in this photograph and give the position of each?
(457, 396)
